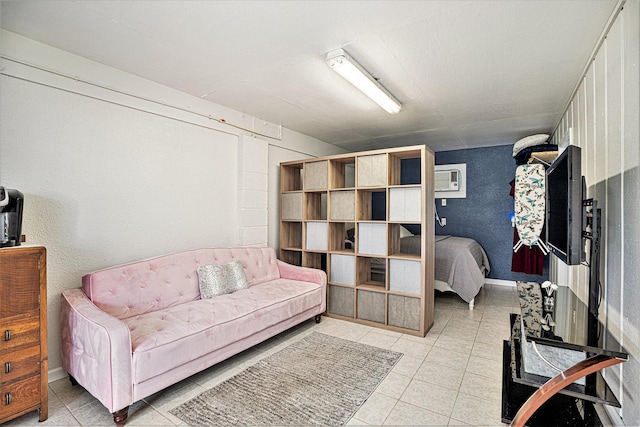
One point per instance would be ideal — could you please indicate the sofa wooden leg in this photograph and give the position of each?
(120, 417)
(73, 381)
(318, 317)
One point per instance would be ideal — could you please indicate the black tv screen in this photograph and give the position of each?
(564, 206)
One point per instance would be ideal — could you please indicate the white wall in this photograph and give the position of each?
(109, 178)
(605, 117)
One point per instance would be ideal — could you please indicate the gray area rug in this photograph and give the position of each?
(319, 380)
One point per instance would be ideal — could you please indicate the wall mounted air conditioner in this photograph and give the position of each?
(447, 180)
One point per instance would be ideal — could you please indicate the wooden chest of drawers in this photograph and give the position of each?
(23, 332)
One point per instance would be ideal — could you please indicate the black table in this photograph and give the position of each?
(552, 363)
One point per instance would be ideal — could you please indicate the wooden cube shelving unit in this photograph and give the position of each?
(344, 214)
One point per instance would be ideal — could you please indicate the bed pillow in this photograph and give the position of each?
(221, 279)
(405, 233)
(529, 142)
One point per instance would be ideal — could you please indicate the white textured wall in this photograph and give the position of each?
(253, 176)
(109, 179)
(604, 116)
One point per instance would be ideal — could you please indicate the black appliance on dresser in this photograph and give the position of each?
(11, 202)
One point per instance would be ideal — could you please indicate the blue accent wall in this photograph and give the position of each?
(484, 215)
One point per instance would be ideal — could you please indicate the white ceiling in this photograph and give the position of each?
(469, 73)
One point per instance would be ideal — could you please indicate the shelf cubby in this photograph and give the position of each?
(342, 172)
(315, 205)
(291, 257)
(371, 306)
(342, 269)
(316, 175)
(316, 238)
(342, 205)
(372, 205)
(291, 177)
(371, 170)
(404, 312)
(372, 238)
(338, 237)
(405, 276)
(291, 235)
(408, 162)
(341, 301)
(314, 260)
(291, 207)
(405, 204)
(371, 272)
(401, 248)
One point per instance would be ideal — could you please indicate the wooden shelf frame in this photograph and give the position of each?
(338, 191)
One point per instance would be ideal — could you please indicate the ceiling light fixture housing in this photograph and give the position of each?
(342, 63)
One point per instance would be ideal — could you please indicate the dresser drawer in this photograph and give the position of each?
(19, 396)
(19, 330)
(19, 364)
(20, 271)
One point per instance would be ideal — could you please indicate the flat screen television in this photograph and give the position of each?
(563, 206)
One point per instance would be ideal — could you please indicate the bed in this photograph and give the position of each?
(461, 264)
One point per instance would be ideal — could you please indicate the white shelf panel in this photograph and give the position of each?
(372, 171)
(372, 239)
(343, 269)
(316, 175)
(317, 237)
(405, 204)
(343, 205)
(405, 276)
(291, 208)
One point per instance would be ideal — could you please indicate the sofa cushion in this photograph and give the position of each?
(169, 280)
(163, 340)
(221, 279)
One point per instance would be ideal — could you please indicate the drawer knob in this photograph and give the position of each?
(7, 367)
(7, 398)
(7, 335)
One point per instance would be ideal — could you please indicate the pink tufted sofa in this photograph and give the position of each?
(135, 329)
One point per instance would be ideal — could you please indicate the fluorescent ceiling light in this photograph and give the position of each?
(343, 64)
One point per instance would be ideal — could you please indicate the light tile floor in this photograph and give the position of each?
(450, 377)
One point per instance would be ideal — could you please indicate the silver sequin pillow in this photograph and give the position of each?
(221, 279)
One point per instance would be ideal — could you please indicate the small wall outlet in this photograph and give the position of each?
(444, 202)
(444, 221)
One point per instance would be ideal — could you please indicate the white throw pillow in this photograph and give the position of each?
(529, 141)
(221, 279)
(405, 233)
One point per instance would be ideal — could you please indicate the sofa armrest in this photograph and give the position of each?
(305, 274)
(96, 350)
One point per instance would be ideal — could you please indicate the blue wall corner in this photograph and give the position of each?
(484, 215)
